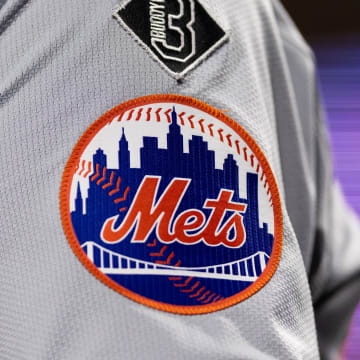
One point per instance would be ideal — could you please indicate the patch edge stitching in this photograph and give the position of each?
(158, 305)
(178, 76)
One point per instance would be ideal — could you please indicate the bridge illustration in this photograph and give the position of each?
(111, 263)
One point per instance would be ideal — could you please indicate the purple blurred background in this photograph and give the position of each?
(339, 74)
(333, 30)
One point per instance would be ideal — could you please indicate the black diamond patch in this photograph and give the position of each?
(178, 33)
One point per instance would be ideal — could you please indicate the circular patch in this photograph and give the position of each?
(171, 203)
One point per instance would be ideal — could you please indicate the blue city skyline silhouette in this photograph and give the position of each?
(206, 182)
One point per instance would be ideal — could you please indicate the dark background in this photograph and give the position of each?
(332, 28)
(320, 17)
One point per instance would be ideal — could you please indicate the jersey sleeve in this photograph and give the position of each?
(330, 237)
(335, 265)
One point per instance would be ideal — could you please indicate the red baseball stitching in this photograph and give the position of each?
(130, 114)
(184, 284)
(167, 112)
(152, 244)
(72, 164)
(148, 117)
(204, 295)
(103, 176)
(123, 198)
(114, 191)
(96, 174)
(201, 121)
(160, 253)
(109, 184)
(86, 170)
(228, 136)
(198, 292)
(191, 122)
(192, 288)
(82, 167)
(210, 126)
(245, 153)
(191, 118)
(181, 118)
(252, 160)
(220, 132)
(237, 143)
(167, 261)
(120, 116)
(139, 114)
(157, 114)
(110, 181)
(193, 291)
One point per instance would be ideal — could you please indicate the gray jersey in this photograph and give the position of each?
(64, 64)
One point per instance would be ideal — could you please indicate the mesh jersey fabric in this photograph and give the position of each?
(62, 65)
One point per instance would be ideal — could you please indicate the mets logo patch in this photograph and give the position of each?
(171, 203)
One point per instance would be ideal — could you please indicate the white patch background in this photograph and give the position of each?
(108, 140)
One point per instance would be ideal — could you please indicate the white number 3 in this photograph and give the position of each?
(182, 24)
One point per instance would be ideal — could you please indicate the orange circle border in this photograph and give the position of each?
(177, 309)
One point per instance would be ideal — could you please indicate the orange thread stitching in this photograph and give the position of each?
(237, 146)
(216, 298)
(275, 202)
(228, 136)
(130, 115)
(148, 114)
(157, 114)
(204, 295)
(245, 154)
(252, 160)
(192, 288)
(112, 192)
(82, 167)
(152, 244)
(110, 181)
(201, 125)
(161, 253)
(210, 129)
(198, 292)
(88, 170)
(167, 112)
(96, 174)
(139, 114)
(220, 131)
(209, 298)
(190, 121)
(167, 261)
(185, 283)
(181, 118)
(103, 176)
(121, 116)
(124, 196)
